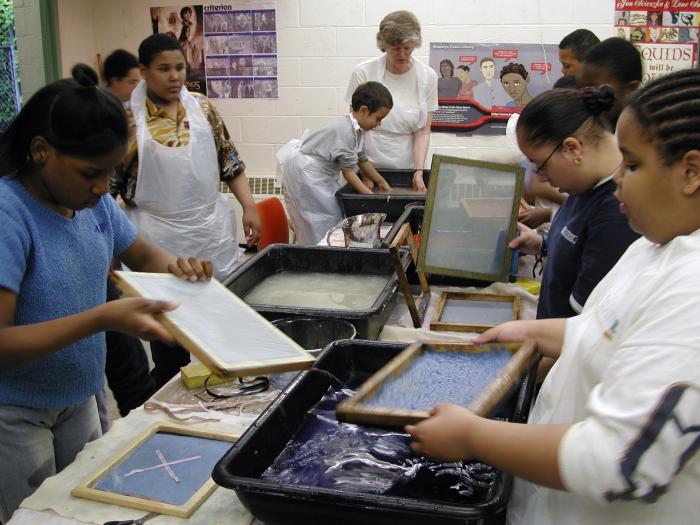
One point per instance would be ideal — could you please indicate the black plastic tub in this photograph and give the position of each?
(285, 257)
(315, 334)
(413, 215)
(352, 203)
(274, 503)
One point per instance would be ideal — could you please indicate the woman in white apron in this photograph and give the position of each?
(402, 140)
(176, 202)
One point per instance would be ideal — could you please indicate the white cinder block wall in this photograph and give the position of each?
(319, 43)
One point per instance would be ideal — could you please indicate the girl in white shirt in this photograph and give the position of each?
(614, 434)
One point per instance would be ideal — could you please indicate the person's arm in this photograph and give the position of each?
(545, 190)
(535, 216)
(356, 183)
(453, 433)
(369, 171)
(232, 172)
(548, 333)
(20, 345)
(528, 241)
(23, 344)
(122, 183)
(421, 141)
(252, 227)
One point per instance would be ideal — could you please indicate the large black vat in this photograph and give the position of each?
(351, 361)
(290, 258)
(353, 203)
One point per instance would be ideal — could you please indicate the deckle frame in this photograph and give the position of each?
(86, 490)
(431, 207)
(128, 283)
(354, 409)
(438, 324)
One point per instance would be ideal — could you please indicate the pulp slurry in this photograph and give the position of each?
(333, 291)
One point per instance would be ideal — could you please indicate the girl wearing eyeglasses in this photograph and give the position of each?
(566, 137)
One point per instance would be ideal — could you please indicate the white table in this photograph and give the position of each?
(52, 503)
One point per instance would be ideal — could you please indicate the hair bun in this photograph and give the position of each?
(84, 75)
(598, 100)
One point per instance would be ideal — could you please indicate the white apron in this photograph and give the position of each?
(310, 183)
(178, 203)
(391, 144)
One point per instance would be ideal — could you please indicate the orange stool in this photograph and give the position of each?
(275, 228)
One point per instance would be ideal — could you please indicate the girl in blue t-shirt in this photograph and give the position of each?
(60, 232)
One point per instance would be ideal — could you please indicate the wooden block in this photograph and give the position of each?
(195, 374)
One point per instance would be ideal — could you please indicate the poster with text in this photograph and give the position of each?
(481, 85)
(231, 50)
(665, 31)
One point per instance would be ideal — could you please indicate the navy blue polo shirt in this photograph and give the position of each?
(587, 237)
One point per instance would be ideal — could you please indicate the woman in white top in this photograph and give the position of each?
(615, 432)
(402, 140)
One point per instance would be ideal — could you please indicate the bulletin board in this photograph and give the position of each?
(219, 328)
(230, 47)
(166, 470)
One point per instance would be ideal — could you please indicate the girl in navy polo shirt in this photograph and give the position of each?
(60, 230)
(566, 137)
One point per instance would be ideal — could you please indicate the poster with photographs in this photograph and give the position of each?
(481, 85)
(241, 50)
(665, 31)
(186, 24)
(230, 49)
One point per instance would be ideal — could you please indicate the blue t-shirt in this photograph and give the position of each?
(587, 237)
(57, 267)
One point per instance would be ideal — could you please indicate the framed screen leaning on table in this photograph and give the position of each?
(470, 216)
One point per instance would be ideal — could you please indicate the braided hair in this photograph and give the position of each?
(73, 115)
(559, 113)
(668, 111)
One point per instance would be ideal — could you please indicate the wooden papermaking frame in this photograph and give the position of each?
(86, 490)
(437, 162)
(200, 349)
(354, 409)
(437, 324)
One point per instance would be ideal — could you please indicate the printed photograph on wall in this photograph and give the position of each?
(666, 33)
(481, 85)
(241, 46)
(186, 24)
(230, 48)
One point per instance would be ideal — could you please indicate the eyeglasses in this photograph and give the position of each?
(538, 169)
